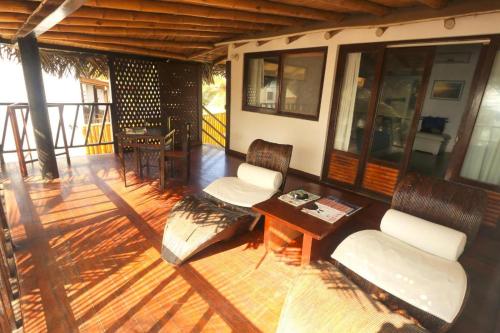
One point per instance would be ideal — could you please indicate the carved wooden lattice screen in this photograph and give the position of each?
(181, 94)
(135, 85)
(148, 90)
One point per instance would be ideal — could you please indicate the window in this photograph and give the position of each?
(287, 83)
(94, 91)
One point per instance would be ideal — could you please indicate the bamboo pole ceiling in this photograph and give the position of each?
(185, 29)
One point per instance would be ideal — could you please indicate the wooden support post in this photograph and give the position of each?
(32, 69)
(114, 114)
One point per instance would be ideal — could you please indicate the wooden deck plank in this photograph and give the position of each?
(88, 254)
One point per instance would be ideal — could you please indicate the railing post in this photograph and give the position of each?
(32, 69)
(17, 139)
(63, 132)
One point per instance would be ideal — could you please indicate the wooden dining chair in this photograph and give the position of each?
(181, 150)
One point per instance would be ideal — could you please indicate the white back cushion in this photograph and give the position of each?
(260, 177)
(427, 236)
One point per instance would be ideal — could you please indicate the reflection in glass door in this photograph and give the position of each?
(402, 88)
(353, 108)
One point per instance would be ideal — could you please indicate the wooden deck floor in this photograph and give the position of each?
(88, 251)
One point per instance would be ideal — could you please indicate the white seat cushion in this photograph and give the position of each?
(426, 281)
(238, 192)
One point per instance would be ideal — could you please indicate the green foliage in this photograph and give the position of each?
(214, 95)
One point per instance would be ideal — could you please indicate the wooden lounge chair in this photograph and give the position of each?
(197, 222)
(357, 287)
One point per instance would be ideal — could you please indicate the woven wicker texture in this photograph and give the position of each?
(453, 205)
(322, 299)
(270, 155)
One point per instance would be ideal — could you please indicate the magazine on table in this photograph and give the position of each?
(331, 209)
(338, 204)
(298, 198)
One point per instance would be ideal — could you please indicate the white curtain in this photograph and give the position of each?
(256, 82)
(347, 102)
(482, 162)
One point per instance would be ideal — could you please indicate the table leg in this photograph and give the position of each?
(162, 169)
(267, 232)
(138, 162)
(306, 250)
(122, 161)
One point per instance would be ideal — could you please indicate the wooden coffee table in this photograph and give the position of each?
(290, 220)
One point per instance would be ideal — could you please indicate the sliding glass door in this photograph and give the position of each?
(399, 103)
(377, 104)
(433, 109)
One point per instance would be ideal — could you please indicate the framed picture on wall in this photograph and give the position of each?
(447, 89)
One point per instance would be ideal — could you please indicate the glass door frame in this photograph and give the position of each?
(480, 79)
(401, 166)
(379, 49)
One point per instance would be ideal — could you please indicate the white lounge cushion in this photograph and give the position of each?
(261, 177)
(428, 282)
(235, 191)
(427, 236)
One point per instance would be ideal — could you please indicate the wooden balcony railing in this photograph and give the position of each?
(214, 128)
(67, 116)
(93, 120)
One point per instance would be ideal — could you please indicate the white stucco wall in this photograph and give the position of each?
(309, 137)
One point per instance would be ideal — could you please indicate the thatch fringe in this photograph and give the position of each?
(62, 63)
(91, 66)
(209, 71)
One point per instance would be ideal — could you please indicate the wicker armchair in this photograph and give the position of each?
(453, 205)
(269, 155)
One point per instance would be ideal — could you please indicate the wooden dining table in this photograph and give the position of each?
(151, 138)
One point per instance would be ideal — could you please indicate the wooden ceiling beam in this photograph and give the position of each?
(7, 31)
(127, 15)
(17, 6)
(13, 17)
(137, 32)
(197, 54)
(401, 16)
(113, 48)
(10, 25)
(267, 7)
(151, 6)
(136, 42)
(46, 15)
(436, 4)
(89, 22)
(343, 6)
(219, 60)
